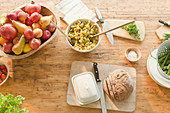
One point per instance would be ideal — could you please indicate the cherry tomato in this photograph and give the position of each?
(3, 76)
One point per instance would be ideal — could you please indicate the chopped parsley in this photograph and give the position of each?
(132, 29)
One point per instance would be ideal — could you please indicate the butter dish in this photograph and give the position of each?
(85, 88)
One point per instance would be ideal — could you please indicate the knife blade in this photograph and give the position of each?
(100, 86)
(105, 26)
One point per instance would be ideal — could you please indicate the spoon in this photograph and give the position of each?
(112, 29)
(69, 39)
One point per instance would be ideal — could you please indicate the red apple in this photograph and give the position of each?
(8, 31)
(35, 43)
(32, 7)
(50, 27)
(46, 35)
(7, 47)
(11, 16)
(28, 22)
(22, 16)
(35, 17)
(29, 34)
(16, 11)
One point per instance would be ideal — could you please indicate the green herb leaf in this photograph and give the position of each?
(132, 29)
(166, 36)
(9, 104)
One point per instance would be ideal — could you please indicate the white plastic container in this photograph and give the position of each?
(85, 88)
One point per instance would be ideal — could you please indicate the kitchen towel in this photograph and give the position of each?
(75, 9)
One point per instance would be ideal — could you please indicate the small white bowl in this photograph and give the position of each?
(83, 51)
(138, 52)
(2, 63)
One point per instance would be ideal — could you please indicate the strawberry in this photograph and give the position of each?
(3, 67)
(4, 70)
(1, 81)
(3, 76)
(0, 73)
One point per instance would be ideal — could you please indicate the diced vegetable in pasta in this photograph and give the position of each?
(81, 33)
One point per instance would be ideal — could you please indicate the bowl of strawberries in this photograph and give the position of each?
(4, 72)
(26, 29)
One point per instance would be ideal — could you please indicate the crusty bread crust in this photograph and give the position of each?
(118, 85)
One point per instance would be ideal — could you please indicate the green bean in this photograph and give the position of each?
(164, 54)
(165, 68)
(168, 62)
(168, 67)
(163, 64)
(161, 59)
(165, 72)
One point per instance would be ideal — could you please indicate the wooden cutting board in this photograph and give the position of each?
(123, 33)
(127, 105)
(163, 29)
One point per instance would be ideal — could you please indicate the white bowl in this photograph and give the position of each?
(83, 51)
(2, 63)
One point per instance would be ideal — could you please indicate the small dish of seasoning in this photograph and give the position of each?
(133, 54)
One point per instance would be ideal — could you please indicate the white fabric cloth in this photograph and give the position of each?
(75, 9)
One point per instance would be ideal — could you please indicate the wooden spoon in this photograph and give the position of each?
(112, 29)
(69, 39)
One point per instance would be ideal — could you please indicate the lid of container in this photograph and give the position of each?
(85, 88)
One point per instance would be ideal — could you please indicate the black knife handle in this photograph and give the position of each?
(163, 22)
(96, 72)
(101, 21)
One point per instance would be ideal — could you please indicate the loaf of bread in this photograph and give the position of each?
(118, 85)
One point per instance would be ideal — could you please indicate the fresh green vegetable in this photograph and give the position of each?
(132, 29)
(168, 69)
(166, 36)
(168, 62)
(161, 59)
(9, 104)
(166, 58)
(164, 62)
(164, 54)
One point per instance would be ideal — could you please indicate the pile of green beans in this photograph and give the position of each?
(164, 62)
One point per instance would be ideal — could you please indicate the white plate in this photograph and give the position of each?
(154, 73)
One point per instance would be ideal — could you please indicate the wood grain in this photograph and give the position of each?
(43, 77)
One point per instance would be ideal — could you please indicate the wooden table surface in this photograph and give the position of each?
(43, 77)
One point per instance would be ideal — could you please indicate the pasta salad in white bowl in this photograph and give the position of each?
(80, 32)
